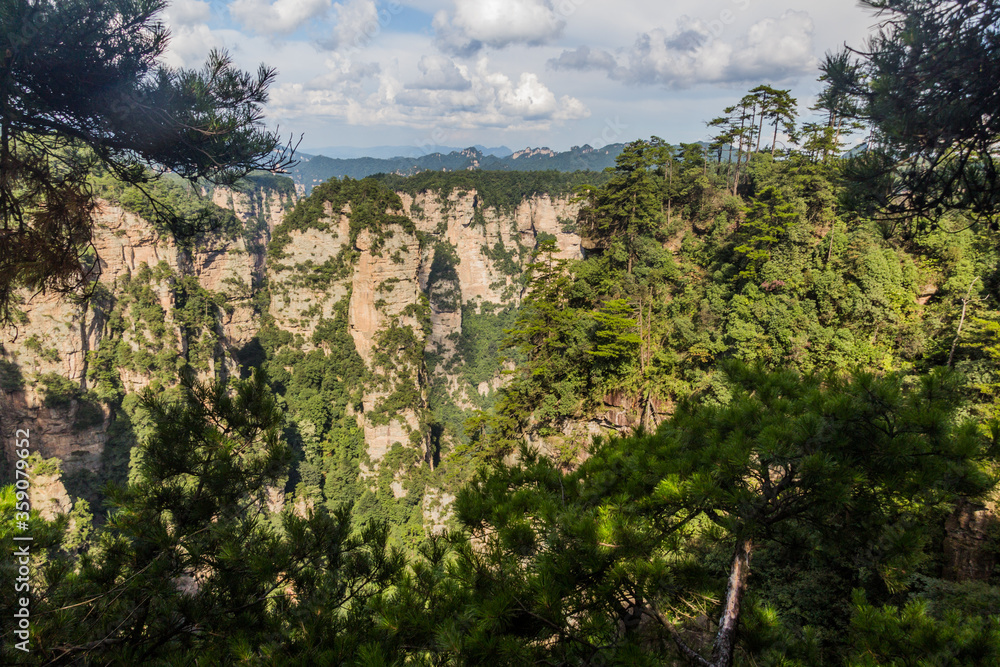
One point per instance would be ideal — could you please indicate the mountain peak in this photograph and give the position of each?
(534, 152)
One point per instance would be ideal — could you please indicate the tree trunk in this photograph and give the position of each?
(642, 338)
(760, 132)
(5, 171)
(670, 192)
(751, 129)
(729, 161)
(6, 167)
(739, 151)
(961, 321)
(648, 419)
(645, 355)
(829, 250)
(725, 640)
(644, 411)
(630, 236)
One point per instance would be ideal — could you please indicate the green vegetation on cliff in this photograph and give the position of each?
(777, 275)
(373, 208)
(498, 190)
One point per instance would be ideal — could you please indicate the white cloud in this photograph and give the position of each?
(441, 73)
(705, 52)
(190, 45)
(358, 22)
(784, 44)
(638, 47)
(187, 12)
(344, 71)
(279, 17)
(529, 99)
(190, 37)
(584, 58)
(376, 96)
(496, 23)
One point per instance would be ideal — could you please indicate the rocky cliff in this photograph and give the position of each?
(72, 359)
(377, 315)
(404, 279)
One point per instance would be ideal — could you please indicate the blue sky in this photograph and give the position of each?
(521, 73)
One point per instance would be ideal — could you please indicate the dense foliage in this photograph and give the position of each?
(782, 274)
(924, 84)
(192, 565)
(830, 485)
(812, 505)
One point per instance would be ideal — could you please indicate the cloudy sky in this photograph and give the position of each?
(520, 73)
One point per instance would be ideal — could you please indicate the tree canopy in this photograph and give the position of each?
(925, 84)
(192, 565)
(777, 505)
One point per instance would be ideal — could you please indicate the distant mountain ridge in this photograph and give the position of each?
(313, 170)
(389, 152)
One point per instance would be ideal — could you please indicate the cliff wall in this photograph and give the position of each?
(71, 359)
(402, 280)
(379, 299)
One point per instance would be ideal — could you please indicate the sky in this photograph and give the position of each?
(555, 73)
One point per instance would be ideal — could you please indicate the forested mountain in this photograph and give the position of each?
(723, 404)
(317, 169)
(388, 152)
(323, 295)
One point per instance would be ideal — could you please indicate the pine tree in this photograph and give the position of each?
(193, 566)
(573, 567)
(768, 217)
(629, 207)
(665, 160)
(82, 85)
(926, 85)
(781, 111)
(616, 332)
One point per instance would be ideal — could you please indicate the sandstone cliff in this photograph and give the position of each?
(49, 385)
(394, 289)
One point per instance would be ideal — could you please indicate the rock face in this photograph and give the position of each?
(47, 389)
(298, 299)
(383, 293)
(401, 291)
(53, 431)
(476, 232)
(382, 289)
(406, 292)
(970, 534)
(491, 249)
(124, 242)
(48, 496)
(256, 202)
(436, 511)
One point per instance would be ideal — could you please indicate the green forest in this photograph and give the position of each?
(792, 348)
